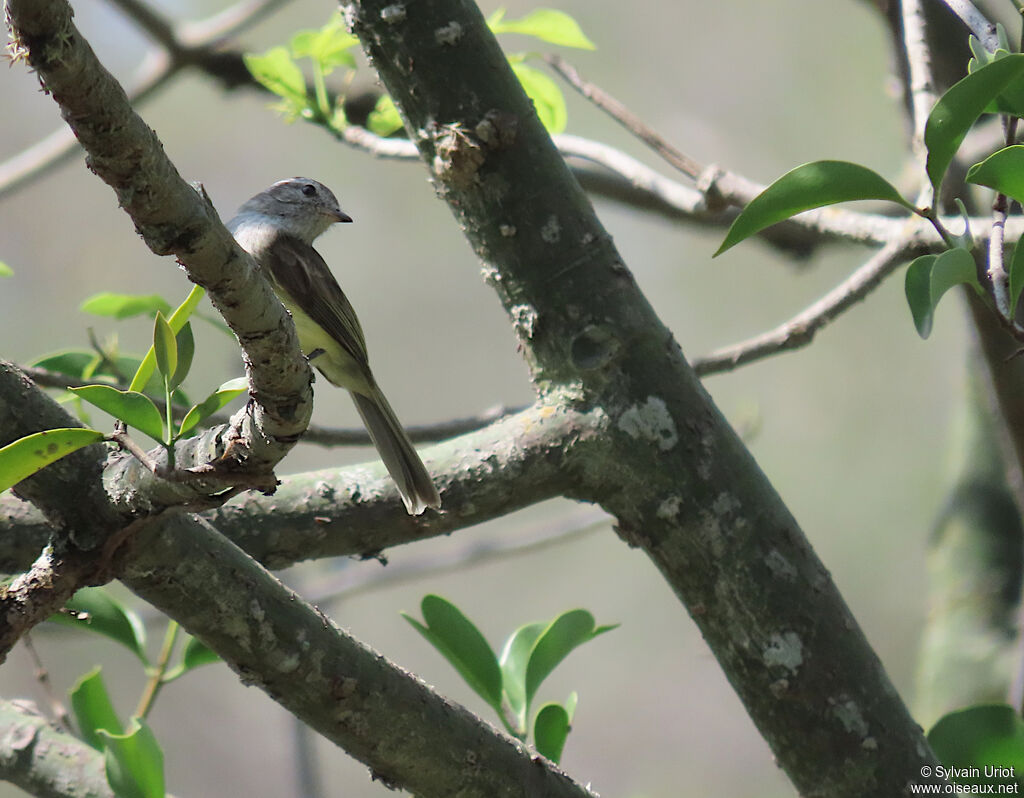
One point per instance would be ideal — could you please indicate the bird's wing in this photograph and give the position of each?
(301, 272)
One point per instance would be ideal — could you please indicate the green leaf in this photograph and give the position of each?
(26, 456)
(929, 277)
(812, 185)
(177, 321)
(546, 24)
(1003, 171)
(1016, 277)
(959, 108)
(133, 408)
(547, 97)
(276, 70)
(186, 346)
(72, 362)
(991, 735)
(93, 609)
(917, 286)
(328, 46)
(550, 728)
(384, 119)
(165, 346)
(134, 762)
(462, 644)
(515, 657)
(197, 654)
(5, 270)
(565, 633)
(212, 403)
(124, 306)
(93, 708)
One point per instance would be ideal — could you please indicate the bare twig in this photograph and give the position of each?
(625, 117)
(976, 21)
(800, 330)
(349, 582)
(60, 712)
(322, 436)
(921, 83)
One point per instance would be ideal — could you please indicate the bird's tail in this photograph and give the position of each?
(397, 452)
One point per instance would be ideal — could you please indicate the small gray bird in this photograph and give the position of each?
(277, 227)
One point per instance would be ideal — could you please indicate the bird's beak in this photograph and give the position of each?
(337, 215)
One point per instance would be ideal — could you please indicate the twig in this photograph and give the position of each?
(353, 581)
(801, 329)
(322, 436)
(976, 21)
(156, 678)
(60, 712)
(920, 82)
(625, 117)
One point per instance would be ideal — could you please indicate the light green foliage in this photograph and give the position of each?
(986, 735)
(929, 277)
(134, 762)
(132, 755)
(26, 456)
(995, 83)
(330, 47)
(529, 655)
(5, 270)
(93, 609)
(94, 711)
(547, 24)
(124, 306)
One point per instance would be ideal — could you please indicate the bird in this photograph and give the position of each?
(277, 227)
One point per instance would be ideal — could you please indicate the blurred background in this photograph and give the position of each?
(852, 430)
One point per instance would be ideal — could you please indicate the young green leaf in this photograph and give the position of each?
(566, 632)
(177, 321)
(959, 108)
(134, 762)
(93, 609)
(93, 708)
(72, 362)
(5, 270)
(276, 70)
(515, 657)
(186, 347)
(165, 346)
(134, 409)
(812, 185)
(329, 47)
(384, 119)
(462, 644)
(212, 403)
(25, 456)
(197, 654)
(1016, 277)
(1003, 171)
(547, 97)
(929, 277)
(986, 734)
(550, 728)
(124, 306)
(546, 24)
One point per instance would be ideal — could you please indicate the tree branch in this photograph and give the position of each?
(679, 482)
(46, 762)
(406, 733)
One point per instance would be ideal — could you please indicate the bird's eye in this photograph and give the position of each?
(309, 190)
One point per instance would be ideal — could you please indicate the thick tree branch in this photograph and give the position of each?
(407, 734)
(678, 480)
(175, 220)
(45, 762)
